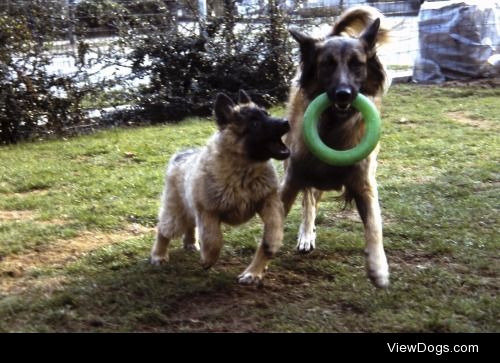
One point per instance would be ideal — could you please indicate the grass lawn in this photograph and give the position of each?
(77, 219)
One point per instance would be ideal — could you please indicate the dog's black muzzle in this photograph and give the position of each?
(282, 126)
(276, 147)
(342, 97)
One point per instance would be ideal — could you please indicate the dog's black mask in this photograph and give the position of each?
(261, 134)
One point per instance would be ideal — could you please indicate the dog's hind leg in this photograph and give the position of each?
(159, 252)
(273, 217)
(210, 237)
(369, 211)
(171, 223)
(189, 241)
(306, 241)
(170, 226)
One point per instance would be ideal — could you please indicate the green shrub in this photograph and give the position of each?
(32, 101)
(187, 63)
(186, 71)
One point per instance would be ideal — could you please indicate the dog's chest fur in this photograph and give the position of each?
(219, 179)
(339, 134)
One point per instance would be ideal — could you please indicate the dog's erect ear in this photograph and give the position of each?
(224, 109)
(369, 36)
(243, 97)
(298, 35)
(307, 53)
(305, 41)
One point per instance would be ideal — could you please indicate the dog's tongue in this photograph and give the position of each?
(279, 150)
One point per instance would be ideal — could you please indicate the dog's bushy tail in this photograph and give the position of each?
(356, 19)
(345, 198)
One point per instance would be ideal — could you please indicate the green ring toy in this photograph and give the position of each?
(341, 157)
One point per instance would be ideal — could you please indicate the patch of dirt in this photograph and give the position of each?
(424, 260)
(462, 118)
(30, 193)
(233, 310)
(53, 222)
(16, 215)
(28, 216)
(417, 260)
(350, 214)
(238, 308)
(330, 218)
(26, 194)
(16, 270)
(202, 317)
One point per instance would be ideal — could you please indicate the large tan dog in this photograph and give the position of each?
(228, 181)
(342, 64)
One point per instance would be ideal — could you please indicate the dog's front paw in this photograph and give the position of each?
(306, 241)
(380, 280)
(249, 278)
(158, 260)
(378, 270)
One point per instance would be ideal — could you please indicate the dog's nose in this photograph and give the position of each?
(343, 95)
(285, 125)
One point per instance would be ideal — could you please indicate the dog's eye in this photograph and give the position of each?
(255, 124)
(328, 65)
(355, 63)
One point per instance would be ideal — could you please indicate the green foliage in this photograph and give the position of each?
(187, 71)
(45, 19)
(104, 14)
(187, 63)
(33, 102)
(118, 17)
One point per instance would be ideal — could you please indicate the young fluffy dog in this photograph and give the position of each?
(227, 181)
